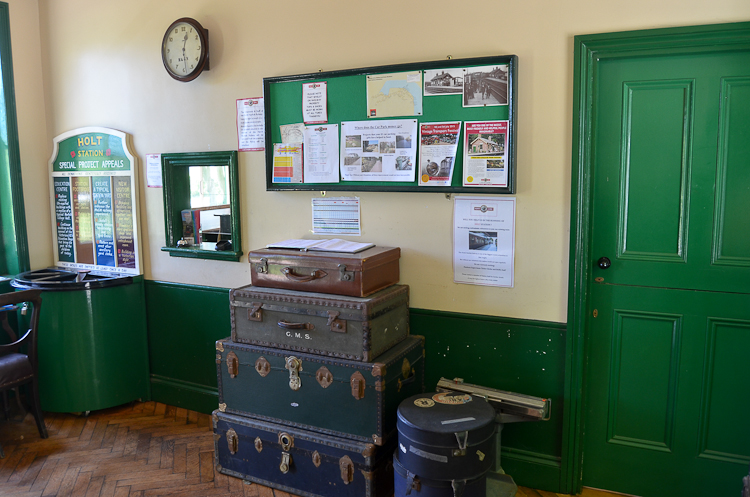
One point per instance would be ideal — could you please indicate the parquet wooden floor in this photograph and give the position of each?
(140, 449)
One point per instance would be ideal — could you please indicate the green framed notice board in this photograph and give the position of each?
(480, 91)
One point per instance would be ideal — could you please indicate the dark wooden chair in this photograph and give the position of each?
(19, 367)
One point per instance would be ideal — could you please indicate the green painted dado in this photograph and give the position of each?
(92, 348)
(184, 322)
(522, 356)
(516, 355)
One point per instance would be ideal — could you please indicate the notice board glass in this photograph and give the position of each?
(491, 80)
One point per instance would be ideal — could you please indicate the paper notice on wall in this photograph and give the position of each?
(336, 215)
(251, 122)
(287, 163)
(322, 153)
(437, 154)
(486, 153)
(484, 240)
(292, 133)
(379, 150)
(315, 102)
(153, 171)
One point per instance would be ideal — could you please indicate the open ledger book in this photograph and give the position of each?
(332, 245)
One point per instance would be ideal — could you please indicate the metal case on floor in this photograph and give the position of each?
(356, 328)
(357, 275)
(351, 399)
(298, 461)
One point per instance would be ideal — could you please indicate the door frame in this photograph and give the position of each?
(589, 50)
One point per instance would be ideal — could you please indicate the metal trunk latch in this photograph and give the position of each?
(336, 324)
(232, 441)
(286, 462)
(357, 382)
(316, 459)
(462, 438)
(262, 366)
(233, 364)
(345, 275)
(294, 366)
(258, 444)
(324, 377)
(347, 469)
(255, 313)
(261, 266)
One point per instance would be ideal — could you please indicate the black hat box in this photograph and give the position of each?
(446, 436)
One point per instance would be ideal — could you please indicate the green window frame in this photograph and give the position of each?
(14, 246)
(176, 179)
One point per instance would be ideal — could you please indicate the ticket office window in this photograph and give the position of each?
(201, 205)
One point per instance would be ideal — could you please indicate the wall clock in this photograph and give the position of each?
(184, 49)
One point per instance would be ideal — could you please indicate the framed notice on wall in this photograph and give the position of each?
(94, 201)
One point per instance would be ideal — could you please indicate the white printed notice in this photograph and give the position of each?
(484, 240)
(336, 215)
(486, 153)
(322, 153)
(379, 150)
(437, 153)
(153, 171)
(251, 122)
(315, 102)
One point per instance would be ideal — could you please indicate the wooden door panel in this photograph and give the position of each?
(656, 128)
(732, 224)
(725, 400)
(671, 406)
(640, 338)
(659, 150)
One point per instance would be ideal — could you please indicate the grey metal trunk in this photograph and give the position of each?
(354, 328)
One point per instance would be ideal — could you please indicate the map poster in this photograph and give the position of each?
(486, 153)
(394, 94)
(438, 144)
(484, 231)
(378, 150)
(94, 191)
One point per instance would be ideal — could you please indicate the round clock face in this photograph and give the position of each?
(184, 50)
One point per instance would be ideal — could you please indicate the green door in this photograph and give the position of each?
(667, 385)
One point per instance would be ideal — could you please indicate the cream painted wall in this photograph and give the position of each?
(101, 66)
(32, 126)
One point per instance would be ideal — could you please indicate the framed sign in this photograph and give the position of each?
(94, 201)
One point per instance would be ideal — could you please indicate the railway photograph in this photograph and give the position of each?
(485, 86)
(483, 240)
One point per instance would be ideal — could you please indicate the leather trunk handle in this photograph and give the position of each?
(302, 278)
(295, 326)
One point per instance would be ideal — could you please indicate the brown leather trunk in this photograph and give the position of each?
(355, 275)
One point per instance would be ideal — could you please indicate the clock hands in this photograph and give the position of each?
(184, 56)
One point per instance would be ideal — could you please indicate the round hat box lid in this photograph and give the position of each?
(434, 418)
